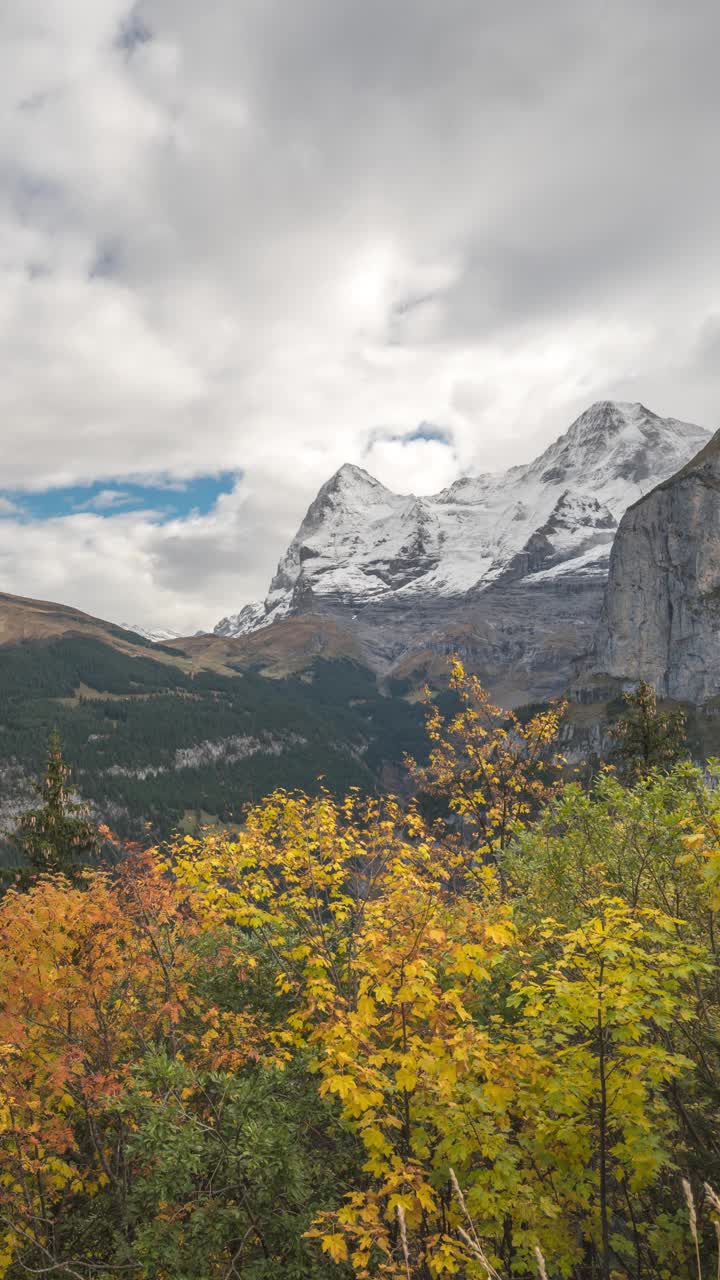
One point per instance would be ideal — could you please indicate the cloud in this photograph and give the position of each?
(272, 238)
(105, 500)
(9, 508)
(423, 460)
(413, 464)
(143, 566)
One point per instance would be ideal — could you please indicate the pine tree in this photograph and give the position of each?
(646, 738)
(57, 836)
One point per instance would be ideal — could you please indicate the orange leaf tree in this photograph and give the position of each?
(93, 979)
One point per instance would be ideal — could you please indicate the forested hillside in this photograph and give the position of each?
(150, 740)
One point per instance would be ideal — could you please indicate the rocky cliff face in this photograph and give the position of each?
(661, 619)
(510, 566)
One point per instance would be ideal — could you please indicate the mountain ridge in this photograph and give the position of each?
(490, 554)
(360, 541)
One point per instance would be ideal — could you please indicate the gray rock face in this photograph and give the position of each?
(661, 618)
(521, 637)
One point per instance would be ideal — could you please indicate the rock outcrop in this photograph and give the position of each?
(661, 618)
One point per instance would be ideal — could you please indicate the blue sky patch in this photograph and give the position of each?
(169, 499)
(423, 431)
(428, 431)
(133, 31)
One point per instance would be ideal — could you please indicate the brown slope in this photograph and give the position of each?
(284, 648)
(25, 620)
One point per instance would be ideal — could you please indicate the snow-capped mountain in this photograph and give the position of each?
(156, 635)
(553, 519)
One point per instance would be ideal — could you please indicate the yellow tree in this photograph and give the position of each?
(702, 846)
(390, 971)
(300, 875)
(493, 768)
(598, 1009)
(448, 1040)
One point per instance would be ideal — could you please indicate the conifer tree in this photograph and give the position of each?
(646, 738)
(57, 836)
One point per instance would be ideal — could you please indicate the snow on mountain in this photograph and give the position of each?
(242, 623)
(360, 543)
(156, 635)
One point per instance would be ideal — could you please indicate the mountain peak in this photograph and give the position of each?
(610, 416)
(360, 543)
(620, 444)
(351, 488)
(620, 406)
(349, 474)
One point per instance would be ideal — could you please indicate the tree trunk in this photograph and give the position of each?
(602, 1135)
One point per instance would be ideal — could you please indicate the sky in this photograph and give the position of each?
(242, 244)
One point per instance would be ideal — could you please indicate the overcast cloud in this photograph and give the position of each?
(274, 236)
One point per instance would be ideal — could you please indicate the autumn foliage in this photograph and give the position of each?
(350, 1042)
